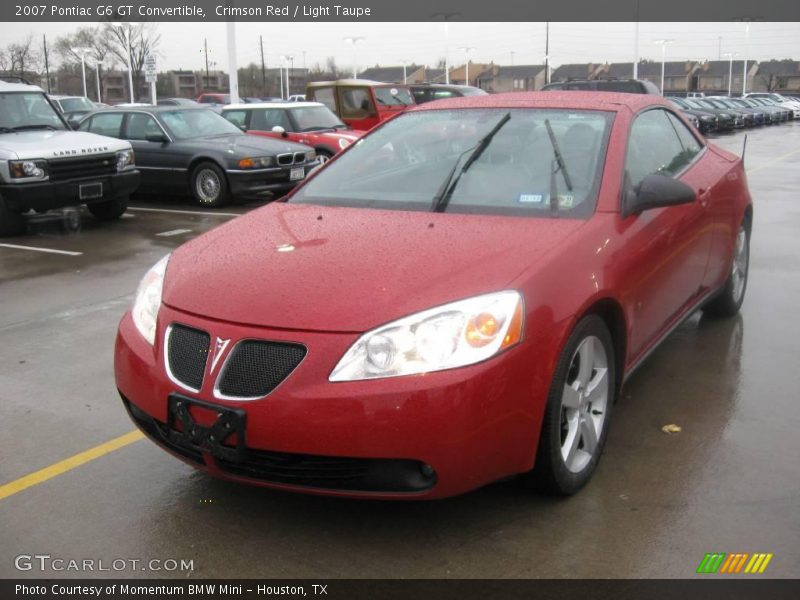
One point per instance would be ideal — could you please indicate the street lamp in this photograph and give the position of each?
(354, 41)
(746, 52)
(730, 55)
(446, 17)
(287, 59)
(663, 59)
(405, 77)
(82, 53)
(97, 66)
(126, 36)
(467, 50)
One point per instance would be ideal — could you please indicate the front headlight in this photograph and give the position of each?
(343, 143)
(311, 155)
(707, 118)
(453, 335)
(256, 163)
(125, 160)
(148, 300)
(28, 169)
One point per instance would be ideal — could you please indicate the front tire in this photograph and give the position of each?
(728, 302)
(108, 210)
(11, 222)
(209, 186)
(579, 407)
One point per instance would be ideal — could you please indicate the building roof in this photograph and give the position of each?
(780, 68)
(390, 74)
(721, 68)
(573, 71)
(512, 72)
(648, 69)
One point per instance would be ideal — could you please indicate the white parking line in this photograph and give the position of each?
(185, 212)
(173, 232)
(37, 249)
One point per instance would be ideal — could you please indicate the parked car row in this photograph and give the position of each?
(722, 113)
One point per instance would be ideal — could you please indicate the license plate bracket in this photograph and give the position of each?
(297, 173)
(200, 438)
(88, 191)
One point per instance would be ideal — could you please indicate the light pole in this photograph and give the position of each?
(446, 17)
(663, 59)
(126, 36)
(467, 50)
(730, 55)
(82, 53)
(746, 52)
(405, 77)
(97, 66)
(280, 76)
(354, 41)
(288, 59)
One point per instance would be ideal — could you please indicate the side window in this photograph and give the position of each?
(237, 117)
(653, 147)
(691, 147)
(265, 120)
(108, 124)
(140, 125)
(84, 126)
(356, 103)
(325, 95)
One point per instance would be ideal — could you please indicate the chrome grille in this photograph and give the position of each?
(81, 168)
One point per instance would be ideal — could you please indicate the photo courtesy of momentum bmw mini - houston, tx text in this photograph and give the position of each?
(363, 300)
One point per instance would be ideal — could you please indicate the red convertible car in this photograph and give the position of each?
(309, 123)
(464, 310)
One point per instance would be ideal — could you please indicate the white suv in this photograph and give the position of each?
(45, 165)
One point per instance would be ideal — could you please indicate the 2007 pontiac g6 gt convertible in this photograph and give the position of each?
(455, 299)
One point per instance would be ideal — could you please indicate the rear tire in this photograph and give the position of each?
(109, 210)
(209, 186)
(11, 222)
(578, 412)
(729, 300)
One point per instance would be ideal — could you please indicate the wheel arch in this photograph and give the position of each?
(196, 160)
(611, 312)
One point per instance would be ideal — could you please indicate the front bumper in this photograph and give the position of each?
(48, 195)
(261, 183)
(453, 431)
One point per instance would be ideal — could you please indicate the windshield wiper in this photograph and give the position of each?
(557, 165)
(24, 127)
(443, 195)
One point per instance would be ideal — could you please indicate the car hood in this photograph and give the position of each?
(295, 266)
(42, 143)
(245, 145)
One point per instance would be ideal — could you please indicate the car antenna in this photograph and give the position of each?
(744, 147)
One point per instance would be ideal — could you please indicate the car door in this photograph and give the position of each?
(357, 107)
(153, 158)
(666, 249)
(104, 123)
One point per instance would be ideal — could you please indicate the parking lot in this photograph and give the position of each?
(728, 482)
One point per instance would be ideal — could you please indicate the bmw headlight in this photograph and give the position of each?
(311, 155)
(148, 300)
(453, 335)
(256, 163)
(125, 160)
(343, 143)
(28, 169)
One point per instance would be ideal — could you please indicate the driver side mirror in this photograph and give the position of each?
(159, 138)
(656, 191)
(279, 129)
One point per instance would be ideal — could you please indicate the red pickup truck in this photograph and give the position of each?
(361, 103)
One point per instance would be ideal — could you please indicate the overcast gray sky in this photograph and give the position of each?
(424, 43)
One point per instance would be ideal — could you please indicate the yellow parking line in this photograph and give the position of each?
(773, 161)
(42, 475)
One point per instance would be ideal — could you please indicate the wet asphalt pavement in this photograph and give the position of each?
(729, 482)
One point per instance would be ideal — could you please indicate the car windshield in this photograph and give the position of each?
(193, 123)
(406, 163)
(75, 104)
(23, 110)
(309, 118)
(392, 96)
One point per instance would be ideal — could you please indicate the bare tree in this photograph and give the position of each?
(23, 57)
(143, 39)
(94, 40)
